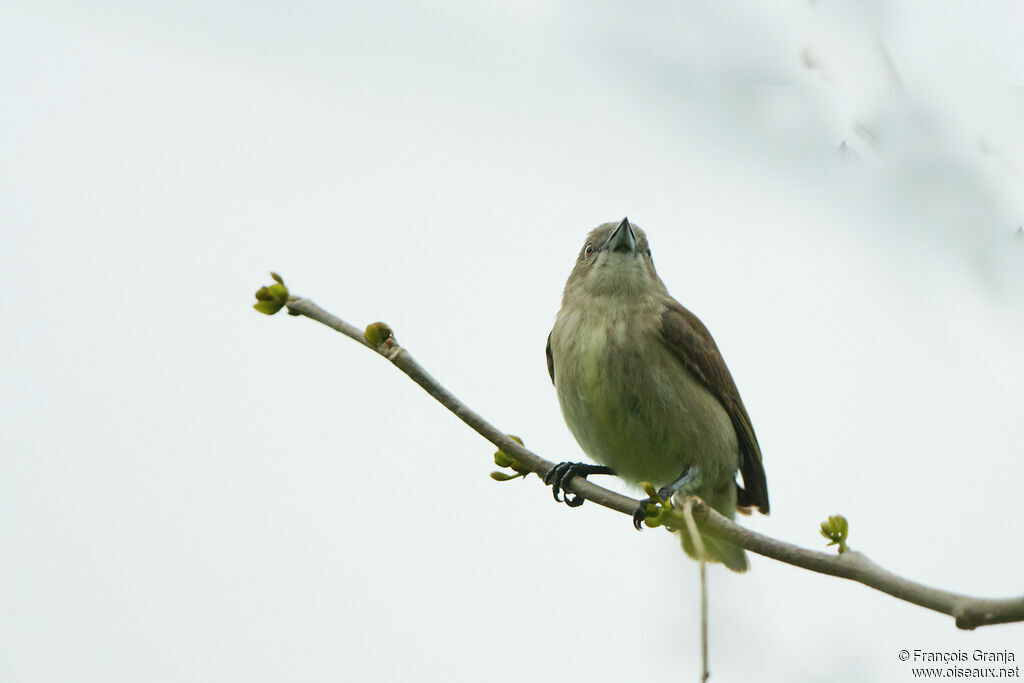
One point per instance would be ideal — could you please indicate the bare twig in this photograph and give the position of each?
(698, 546)
(969, 612)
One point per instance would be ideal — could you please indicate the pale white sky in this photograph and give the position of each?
(190, 491)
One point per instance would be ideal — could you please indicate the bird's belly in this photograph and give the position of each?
(636, 409)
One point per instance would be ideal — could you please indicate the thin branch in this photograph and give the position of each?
(698, 547)
(969, 612)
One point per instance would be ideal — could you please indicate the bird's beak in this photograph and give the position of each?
(622, 239)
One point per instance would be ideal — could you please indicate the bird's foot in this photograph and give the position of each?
(650, 509)
(561, 474)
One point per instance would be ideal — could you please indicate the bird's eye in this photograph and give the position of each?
(588, 250)
(648, 252)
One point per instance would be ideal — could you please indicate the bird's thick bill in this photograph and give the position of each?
(622, 239)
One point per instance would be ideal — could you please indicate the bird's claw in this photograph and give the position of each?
(640, 514)
(562, 473)
(659, 500)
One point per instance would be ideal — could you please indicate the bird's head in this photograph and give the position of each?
(615, 261)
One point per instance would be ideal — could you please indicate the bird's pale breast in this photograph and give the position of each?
(628, 400)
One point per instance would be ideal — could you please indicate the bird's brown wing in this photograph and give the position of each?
(692, 344)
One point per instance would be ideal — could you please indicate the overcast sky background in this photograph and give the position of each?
(190, 491)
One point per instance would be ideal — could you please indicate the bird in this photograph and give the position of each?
(645, 391)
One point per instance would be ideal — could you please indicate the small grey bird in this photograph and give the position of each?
(645, 391)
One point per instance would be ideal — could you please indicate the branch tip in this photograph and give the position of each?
(271, 298)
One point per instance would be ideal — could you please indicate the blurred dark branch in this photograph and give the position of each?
(969, 612)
